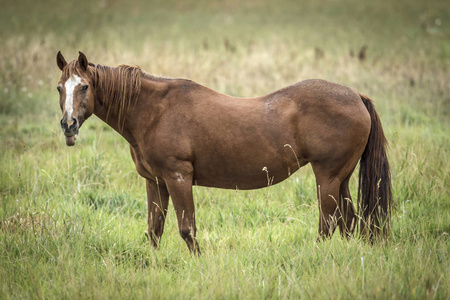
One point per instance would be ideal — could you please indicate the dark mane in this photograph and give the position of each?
(118, 86)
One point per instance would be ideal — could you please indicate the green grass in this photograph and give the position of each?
(72, 220)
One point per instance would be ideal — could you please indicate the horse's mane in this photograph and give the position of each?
(119, 86)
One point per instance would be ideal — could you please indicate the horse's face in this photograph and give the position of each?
(76, 96)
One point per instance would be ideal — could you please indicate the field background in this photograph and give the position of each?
(72, 220)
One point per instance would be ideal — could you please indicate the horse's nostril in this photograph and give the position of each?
(74, 123)
(69, 125)
(63, 124)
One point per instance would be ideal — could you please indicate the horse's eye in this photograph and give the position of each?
(59, 89)
(84, 87)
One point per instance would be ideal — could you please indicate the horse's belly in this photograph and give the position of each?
(243, 175)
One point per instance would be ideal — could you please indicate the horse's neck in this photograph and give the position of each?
(148, 106)
(111, 118)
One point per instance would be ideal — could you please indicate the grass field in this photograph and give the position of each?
(72, 220)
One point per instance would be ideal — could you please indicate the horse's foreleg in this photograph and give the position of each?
(158, 201)
(180, 189)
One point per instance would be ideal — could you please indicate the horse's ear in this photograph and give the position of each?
(60, 61)
(82, 61)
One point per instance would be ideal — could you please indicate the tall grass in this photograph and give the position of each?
(72, 220)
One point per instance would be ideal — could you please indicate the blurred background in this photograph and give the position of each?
(243, 48)
(80, 212)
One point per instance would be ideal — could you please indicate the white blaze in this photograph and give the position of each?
(70, 85)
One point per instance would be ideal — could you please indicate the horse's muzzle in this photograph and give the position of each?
(70, 130)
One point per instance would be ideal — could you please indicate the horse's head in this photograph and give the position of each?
(76, 95)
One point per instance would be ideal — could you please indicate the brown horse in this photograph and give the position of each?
(183, 134)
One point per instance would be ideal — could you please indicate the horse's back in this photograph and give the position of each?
(317, 91)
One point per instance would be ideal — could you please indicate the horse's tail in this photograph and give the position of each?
(374, 192)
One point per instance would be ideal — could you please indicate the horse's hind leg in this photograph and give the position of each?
(347, 222)
(328, 196)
